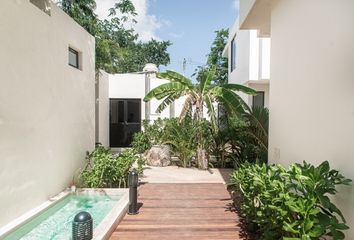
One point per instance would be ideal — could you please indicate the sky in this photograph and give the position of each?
(189, 25)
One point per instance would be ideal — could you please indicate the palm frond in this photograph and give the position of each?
(206, 80)
(164, 90)
(230, 100)
(167, 101)
(176, 77)
(187, 105)
(211, 112)
(240, 88)
(259, 121)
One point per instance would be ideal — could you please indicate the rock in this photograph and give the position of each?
(158, 156)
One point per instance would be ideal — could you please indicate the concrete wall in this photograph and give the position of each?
(252, 61)
(46, 106)
(128, 86)
(312, 90)
(132, 85)
(103, 108)
(241, 74)
(263, 87)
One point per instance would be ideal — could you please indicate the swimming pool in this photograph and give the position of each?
(55, 221)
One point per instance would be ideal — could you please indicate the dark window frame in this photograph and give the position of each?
(77, 66)
(233, 54)
(258, 93)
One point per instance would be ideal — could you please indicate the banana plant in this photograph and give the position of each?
(198, 96)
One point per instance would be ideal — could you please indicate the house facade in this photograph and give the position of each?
(249, 63)
(47, 107)
(312, 90)
(121, 109)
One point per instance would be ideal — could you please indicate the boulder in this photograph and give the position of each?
(158, 156)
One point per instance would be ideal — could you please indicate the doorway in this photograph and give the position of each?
(124, 121)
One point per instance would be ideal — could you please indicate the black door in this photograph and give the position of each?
(124, 121)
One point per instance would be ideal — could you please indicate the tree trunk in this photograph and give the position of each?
(201, 156)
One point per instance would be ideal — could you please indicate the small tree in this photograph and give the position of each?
(200, 95)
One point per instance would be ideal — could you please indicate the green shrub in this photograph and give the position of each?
(181, 136)
(141, 142)
(291, 203)
(105, 170)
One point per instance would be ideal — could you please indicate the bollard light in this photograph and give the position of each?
(133, 180)
(82, 226)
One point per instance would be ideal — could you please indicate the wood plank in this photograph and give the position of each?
(181, 211)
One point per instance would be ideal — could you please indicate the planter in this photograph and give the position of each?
(158, 156)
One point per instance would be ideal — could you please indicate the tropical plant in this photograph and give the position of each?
(292, 203)
(104, 169)
(181, 137)
(198, 95)
(155, 131)
(141, 142)
(117, 47)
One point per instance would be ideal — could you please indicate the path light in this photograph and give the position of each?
(133, 181)
(82, 226)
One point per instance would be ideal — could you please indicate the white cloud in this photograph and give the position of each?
(147, 24)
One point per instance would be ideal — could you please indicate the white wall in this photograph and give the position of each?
(260, 88)
(46, 106)
(312, 90)
(252, 61)
(154, 103)
(129, 86)
(241, 74)
(103, 108)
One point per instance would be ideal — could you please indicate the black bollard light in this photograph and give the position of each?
(133, 181)
(82, 226)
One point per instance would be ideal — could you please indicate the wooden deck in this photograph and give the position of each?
(181, 211)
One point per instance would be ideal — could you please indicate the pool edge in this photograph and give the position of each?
(102, 232)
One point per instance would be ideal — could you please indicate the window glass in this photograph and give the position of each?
(73, 58)
(133, 111)
(258, 100)
(233, 54)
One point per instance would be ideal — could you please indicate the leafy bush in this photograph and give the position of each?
(141, 142)
(291, 203)
(154, 131)
(181, 137)
(105, 170)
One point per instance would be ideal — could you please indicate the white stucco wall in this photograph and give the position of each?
(103, 108)
(252, 61)
(260, 88)
(241, 73)
(154, 103)
(312, 89)
(46, 106)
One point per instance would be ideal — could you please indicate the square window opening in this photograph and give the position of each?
(74, 58)
(258, 100)
(233, 54)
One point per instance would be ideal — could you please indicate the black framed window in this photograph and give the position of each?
(73, 58)
(258, 100)
(233, 54)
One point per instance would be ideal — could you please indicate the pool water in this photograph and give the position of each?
(56, 222)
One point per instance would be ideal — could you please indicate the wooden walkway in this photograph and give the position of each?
(181, 211)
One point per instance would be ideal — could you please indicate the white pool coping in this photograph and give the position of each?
(102, 232)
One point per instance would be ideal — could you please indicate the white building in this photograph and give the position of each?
(312, 89)
(249, 63)
(121, 108)
(47, 65)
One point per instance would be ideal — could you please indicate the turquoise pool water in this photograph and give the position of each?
(56, 222)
